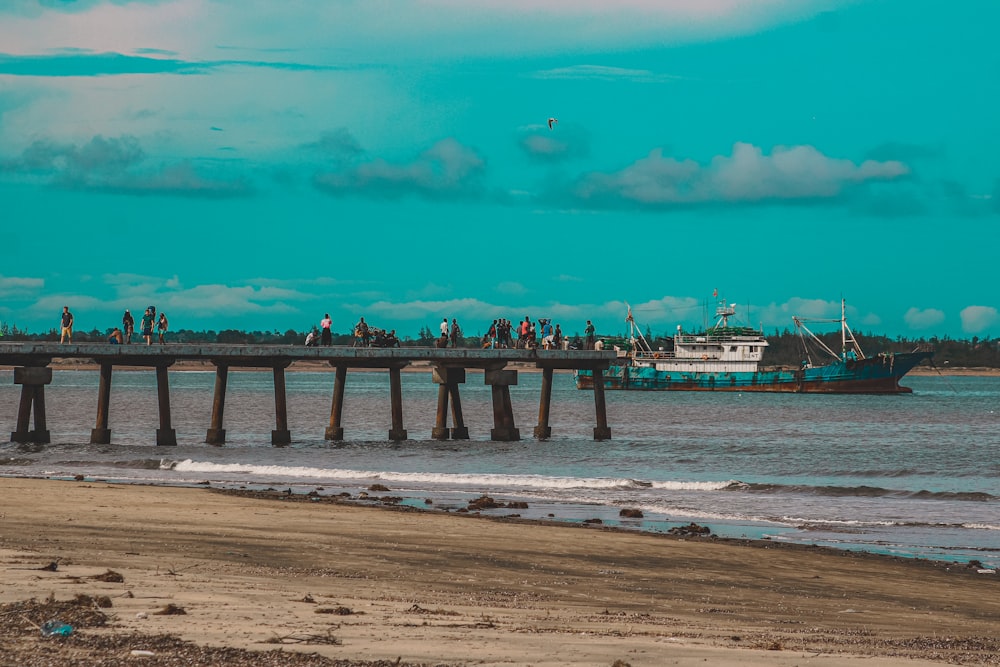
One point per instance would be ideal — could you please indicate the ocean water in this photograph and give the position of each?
(913, 475)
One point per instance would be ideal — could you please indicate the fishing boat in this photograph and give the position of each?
(728, 357)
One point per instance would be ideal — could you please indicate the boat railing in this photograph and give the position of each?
(689, 339)
(655, 354)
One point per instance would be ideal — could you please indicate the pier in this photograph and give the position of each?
(447, 368)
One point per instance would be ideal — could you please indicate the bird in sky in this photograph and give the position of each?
(552, 121)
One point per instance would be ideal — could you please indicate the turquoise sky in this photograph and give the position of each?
(255, 164)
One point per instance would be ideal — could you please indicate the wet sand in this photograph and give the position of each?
(352, 582)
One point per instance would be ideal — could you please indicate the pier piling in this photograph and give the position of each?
(216, 435)
(165, 435)
(397, 432)
(503, 412)
(280, 436)
(601, 431)
(32, 381)
(335, 431)
(101, 434)
(448, 378)
(543, 431)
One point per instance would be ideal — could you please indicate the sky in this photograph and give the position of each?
(254, 165)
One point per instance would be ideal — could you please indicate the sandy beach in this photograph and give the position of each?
(333, 580)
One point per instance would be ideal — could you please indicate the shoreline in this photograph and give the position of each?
(437, 587)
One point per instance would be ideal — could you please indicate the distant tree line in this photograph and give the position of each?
(785, 348)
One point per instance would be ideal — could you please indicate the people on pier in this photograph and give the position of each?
(312, 339)
(456, 332)
(589, 333)
(444, 329)
(161, 327)
(557, 339)
(599, 344)
(66, 326)
(546, 326)
(325, 325)
(115, 338)
(147, 326)
(362, 336)
(128, 326)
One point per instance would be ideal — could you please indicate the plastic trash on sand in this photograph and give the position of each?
(56, 628)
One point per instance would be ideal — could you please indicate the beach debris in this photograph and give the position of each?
(110, 577)
(142, 615)
(141, 653)
(326, 638)
(338, 611)
(170, 610)
(690, 530)
(417, 609)
(621, 663)
(308, 598)
(630, 513)
(79, 478)
(51, 567)
(595, 522)
(56, 628)
(378, 487)
(428, 501)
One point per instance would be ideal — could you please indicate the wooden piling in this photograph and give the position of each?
(280, 436)
(601, 431)
(165, 435)
(335, 431)
(32, 380)
(543, 431)
(448, 378)
(397, 432)
(101, 434)
(440, 430)
(216, 435)
(503, 412)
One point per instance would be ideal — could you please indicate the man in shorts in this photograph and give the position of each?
(66, 325)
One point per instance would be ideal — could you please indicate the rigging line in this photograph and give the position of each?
(942, 375)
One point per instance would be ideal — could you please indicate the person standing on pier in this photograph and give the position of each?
(128, 326)
(66, 325)
(147, 327)
(456, 333)
(161, 327)
(326, 337)
(589, 331)
(444, 330)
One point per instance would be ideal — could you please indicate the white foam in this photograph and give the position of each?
(497, 480)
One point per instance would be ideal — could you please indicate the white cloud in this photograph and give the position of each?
(12, 286)
(977, 319)
(511, 287)
(747, 175)
(923, 319)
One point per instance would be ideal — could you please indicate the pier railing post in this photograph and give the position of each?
(543, 431)
(165, 435)
(32, 380)
(101, 434)
(216, 435)
(503, 412)
(280, 436)
(335, 431)
(397, 432)
(601, 431)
